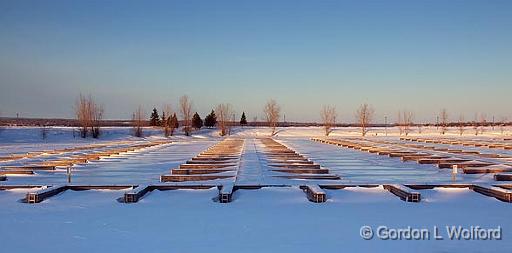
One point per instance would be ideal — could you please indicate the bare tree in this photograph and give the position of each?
(443, 116)
(364, 116)
(185, 106)
(224, 112)
(405, 119)
(503, 123)
(400, 124)
(82, 115)
(166, 120)
(408, 117)
(138, 121)
(460, 125)
(272, 111)
(89, 115)
(328, 115)
(476, 124)
(483, 122)
(96, 118)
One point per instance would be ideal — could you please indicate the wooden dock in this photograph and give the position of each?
(493, 191)
(291, 164)
(38, 196)
(403, 193)
(220, 161)
(314, 193)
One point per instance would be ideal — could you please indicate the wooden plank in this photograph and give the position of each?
(184, 178)
(487, 169)
(314, 193)
(312, 177)
(449, 165)
(29, 167)
(197, 171)
(492, 191)
(403, 193)
(296, 165)
(38, 196)
(503, 177)
(16, 172)
(206, 166)
(303, 171)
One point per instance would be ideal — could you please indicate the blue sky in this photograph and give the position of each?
(415, 55)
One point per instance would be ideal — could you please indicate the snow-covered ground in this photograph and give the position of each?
(274, 219)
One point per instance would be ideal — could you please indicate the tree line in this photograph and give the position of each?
(89, 116)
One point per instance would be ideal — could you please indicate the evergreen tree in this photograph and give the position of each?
(197, 122)
(154, 119)
(243, 120)
(174, 121)
(210, 120)
(163, 121)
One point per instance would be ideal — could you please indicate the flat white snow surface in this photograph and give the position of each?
(270, 219)
(265, 220)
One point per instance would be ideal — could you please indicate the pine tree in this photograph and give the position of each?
(243, 120)
(154, 119)
(163, 121)
(173, 123)
(197, 122)
(210, 120)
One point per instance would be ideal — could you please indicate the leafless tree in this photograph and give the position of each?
(503, 123)
(223, 113)
(483, 122)
(460, 125)
(443, 116)
(138, 121)
(272, 111)
(328, 115)
(185, 106)
(400, 124)
(407, 118)
(89, 115)
(82, 115)
(364, 116)
(475, 124)
(96, 118)
(166, 120)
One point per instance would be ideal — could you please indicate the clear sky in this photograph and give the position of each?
(415, 55)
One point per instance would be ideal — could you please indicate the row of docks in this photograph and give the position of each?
(481, 143)
(73, 158)
(469, 161)
(42, 153)
(220, 161)
(314, 193)
(291, 164)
